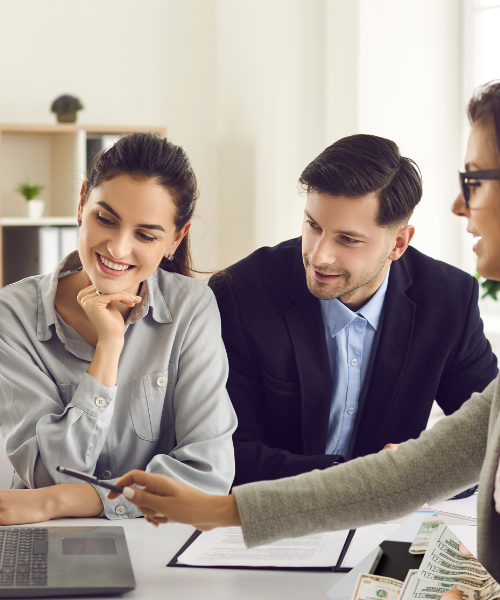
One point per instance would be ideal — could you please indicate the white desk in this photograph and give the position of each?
(151, 549)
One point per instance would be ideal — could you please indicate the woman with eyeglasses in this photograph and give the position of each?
(455, 454)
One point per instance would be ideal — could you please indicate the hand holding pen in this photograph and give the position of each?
(127, 492)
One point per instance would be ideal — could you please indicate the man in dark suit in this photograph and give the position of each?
(340, 341)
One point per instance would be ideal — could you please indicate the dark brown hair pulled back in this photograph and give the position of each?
(146, 156)
(484, 103)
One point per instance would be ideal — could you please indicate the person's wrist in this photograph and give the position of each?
(47, 502)
(227, 511)
(71, 500)
(110, 343)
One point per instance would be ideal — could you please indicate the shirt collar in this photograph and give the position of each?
(372, 310)
(337, 315)
(151, 294)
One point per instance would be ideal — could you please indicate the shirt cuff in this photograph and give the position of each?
(94, 398)
(120, 508)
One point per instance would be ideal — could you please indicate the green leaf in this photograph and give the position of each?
(29, 191)
(491, 287)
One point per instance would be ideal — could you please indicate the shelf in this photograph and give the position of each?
(55, 156)
(74, 128)
(41, 222)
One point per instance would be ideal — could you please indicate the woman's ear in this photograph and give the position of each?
(179, 236)
(81, 203)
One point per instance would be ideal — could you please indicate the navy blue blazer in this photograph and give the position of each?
(431, 347)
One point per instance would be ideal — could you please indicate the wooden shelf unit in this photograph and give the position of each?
(54, 156)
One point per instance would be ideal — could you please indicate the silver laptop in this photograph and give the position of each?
(64, 561)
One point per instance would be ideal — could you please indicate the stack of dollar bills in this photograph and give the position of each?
(443, 567)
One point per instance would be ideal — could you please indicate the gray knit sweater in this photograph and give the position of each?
(456, 453)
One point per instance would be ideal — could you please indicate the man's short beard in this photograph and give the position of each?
(322, 291)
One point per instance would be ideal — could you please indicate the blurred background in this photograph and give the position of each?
(253, 91)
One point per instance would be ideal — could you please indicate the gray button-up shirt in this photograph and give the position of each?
(169, 412)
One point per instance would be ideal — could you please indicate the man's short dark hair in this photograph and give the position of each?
(361, 164)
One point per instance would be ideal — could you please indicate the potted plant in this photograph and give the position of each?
(490, 286)
(30, 192)
(66, 107)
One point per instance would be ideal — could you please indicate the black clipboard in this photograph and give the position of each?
(335, 568)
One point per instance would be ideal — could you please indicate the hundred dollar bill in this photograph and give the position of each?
(472, 584)
(376, 587)
(421, 541)
(433, 590)
(443, 562)
(403, 594)
(444, 567)
(470, 569)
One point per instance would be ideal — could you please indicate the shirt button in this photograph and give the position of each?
(351, 410)
(161, 382)
(120, 510)
(354, 362)
(100, 401)
(106, 474)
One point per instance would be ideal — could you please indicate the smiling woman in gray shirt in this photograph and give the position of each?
(111, 363)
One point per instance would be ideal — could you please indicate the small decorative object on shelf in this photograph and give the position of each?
(35, 205)
(490, 286)
(66, 108)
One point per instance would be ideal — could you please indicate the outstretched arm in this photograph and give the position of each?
(367, 490)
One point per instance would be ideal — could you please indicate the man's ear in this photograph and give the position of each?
(179, 236)
(83, 199)
(400, 241)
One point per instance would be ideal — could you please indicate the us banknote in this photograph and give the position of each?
(376, 587)
(421, 541)
(443, 567)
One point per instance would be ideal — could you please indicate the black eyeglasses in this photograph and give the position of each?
(466, 184)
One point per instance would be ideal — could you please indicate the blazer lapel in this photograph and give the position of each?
(390, 360)
(305, 326)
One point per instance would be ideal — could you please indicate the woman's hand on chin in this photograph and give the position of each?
(107, 320)
(109, 324)
(165, 499)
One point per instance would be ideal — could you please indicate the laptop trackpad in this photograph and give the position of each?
(88, 546)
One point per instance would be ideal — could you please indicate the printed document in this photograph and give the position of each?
(225, 547)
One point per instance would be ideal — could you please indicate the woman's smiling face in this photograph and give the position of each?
(483, 213)
(127, 228)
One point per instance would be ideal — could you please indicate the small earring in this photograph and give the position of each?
(170, 257)
(79, 223)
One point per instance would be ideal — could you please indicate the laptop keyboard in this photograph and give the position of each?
(23, 555)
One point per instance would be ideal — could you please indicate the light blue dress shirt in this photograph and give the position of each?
(349, 339)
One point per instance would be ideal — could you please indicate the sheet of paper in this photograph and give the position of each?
(225, 547)
(466, 508)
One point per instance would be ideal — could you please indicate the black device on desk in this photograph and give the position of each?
(396, 561)
(64, 561)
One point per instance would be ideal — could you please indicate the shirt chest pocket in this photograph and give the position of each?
(151, 404)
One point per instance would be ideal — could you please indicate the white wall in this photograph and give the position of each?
(131, 63)
(296, 75)
(409, 91)
(253, 91)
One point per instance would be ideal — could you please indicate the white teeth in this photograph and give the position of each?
(112, 265)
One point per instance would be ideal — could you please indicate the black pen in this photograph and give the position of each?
(90, 479)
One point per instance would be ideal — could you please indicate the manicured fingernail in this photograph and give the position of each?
(129, 492)
(159, 515)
